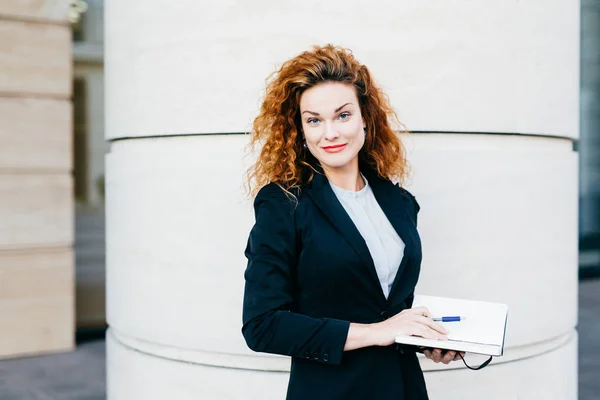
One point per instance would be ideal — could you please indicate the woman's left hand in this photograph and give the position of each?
(444, 356)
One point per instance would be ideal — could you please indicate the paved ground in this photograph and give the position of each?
(80, 375)
(589, 340)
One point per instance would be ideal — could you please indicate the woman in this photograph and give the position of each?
(334, 255)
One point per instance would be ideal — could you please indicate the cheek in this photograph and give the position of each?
(312, 136)
(355, 133)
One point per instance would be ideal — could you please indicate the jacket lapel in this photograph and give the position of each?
(327, 202)
(394, 205)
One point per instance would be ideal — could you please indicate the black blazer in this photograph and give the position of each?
(310, 274)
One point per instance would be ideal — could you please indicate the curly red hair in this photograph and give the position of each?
(277, 127)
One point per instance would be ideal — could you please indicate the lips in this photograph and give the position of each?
(334, 148)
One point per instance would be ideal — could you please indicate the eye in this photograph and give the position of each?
(344, 116)
(312, 121)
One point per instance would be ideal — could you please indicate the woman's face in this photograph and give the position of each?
(332, 124)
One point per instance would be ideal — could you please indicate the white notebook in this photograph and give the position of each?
(481, 331)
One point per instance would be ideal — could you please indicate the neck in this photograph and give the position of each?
(347, 177)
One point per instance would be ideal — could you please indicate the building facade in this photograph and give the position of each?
(589, 142)
(36, 203)
(89, 149)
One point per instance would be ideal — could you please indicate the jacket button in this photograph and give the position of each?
(315, 356)
(384, 314)
(307, 355)
(325, 357)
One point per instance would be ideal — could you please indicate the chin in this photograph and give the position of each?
(335, 163)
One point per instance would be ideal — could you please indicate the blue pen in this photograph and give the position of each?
(449, 319)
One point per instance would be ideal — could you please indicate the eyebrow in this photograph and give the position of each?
(315, 113)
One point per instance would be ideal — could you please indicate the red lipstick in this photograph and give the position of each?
(335, 148)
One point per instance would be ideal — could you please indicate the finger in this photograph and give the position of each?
(427, 353)
(437, 355)
(457, 357)
(448, 357)
(433, 325)
(431, 356)
(422, 311)
(426, 332)
(423, 331)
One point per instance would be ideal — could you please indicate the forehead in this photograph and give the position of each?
(326, 97)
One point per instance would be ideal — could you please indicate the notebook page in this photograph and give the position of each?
(484, 322)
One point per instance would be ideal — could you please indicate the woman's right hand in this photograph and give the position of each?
(412, 322)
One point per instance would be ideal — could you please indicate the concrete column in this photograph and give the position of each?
(494, 171)
(36, 205)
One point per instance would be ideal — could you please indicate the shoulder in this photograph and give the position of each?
(405, 193)
(276, 196)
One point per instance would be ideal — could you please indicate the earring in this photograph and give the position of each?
(365, 130)
(305, 145)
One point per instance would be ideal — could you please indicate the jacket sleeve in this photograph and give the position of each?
(269, 323)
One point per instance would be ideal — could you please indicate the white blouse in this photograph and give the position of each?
(385, 246)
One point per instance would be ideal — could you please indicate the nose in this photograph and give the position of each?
(331, 132)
